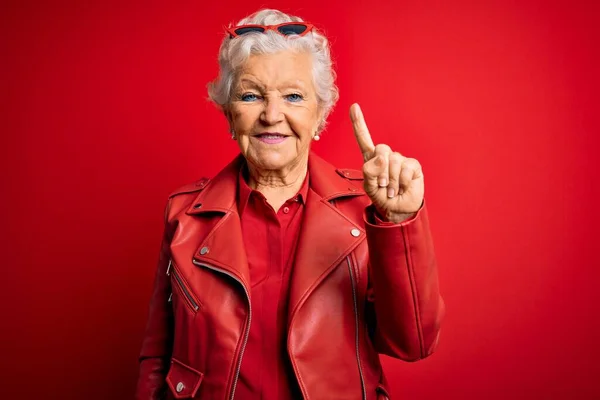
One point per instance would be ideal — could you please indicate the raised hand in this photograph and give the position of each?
(393, 182)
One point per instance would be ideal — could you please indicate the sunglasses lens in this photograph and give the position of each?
(295, 29)
(241, 31)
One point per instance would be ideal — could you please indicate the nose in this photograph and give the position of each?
(272, 113)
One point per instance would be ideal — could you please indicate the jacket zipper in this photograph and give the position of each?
(384, 392)
(357, 327)
(245, 341)
(192, 303)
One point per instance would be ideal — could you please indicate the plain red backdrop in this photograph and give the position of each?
(104, 113)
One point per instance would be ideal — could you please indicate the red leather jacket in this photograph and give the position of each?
(356, 290)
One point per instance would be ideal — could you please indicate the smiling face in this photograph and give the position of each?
(274, 110)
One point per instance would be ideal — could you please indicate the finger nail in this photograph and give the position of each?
(390, 192)
(383, 182)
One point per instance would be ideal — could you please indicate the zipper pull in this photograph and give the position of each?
(170, 297)
(169, 266)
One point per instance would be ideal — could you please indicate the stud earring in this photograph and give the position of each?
(317, 137)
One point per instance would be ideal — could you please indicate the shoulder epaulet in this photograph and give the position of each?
(191, 187)
(350, 174)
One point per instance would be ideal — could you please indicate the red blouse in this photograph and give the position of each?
(270, 241)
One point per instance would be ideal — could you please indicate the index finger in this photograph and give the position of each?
(361, 132)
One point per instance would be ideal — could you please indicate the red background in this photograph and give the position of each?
(104, 112)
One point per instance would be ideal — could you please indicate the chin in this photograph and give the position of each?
(270, 164)
(272, 161)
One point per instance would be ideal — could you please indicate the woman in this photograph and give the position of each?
(283, 277)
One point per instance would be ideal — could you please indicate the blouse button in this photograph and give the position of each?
(286, 210)
(180, 387)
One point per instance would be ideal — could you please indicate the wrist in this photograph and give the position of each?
(394, 217)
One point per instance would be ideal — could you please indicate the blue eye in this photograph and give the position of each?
(294, 97)
(248, 97)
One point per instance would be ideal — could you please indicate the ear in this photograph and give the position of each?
(320, 119)
(321, 113)
(227, 113)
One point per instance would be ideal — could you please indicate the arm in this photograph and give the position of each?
(404, 286)
(157, 342)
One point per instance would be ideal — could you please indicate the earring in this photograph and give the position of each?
(232, 133)
(317, 137)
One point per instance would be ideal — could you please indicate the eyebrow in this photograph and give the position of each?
(251, 82)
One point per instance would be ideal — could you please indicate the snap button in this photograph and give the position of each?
(198, 205)
(355, 232)
(204, 250)
(180, 387)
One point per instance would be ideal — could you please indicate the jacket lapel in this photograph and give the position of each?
(327, 236)
(223, 247)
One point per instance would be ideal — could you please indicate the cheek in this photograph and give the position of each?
(244, 117)
(305, 122)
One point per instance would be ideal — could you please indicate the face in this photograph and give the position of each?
(274, 110)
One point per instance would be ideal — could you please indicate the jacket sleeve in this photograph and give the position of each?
(403, 289)
(157, 341)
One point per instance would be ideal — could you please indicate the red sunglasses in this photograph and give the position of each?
(285, 29)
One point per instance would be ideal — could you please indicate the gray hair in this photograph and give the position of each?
(234, 53)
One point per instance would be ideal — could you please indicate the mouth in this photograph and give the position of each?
(271, 137)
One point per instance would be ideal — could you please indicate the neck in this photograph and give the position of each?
(278, 185)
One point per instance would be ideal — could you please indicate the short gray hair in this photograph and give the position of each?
(234, 53)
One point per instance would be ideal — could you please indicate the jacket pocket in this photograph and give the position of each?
(182, 288)
(184, 381)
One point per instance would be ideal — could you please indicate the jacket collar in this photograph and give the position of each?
(220, 194)
(329, 182)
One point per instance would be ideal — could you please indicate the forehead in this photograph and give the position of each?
(278, 69)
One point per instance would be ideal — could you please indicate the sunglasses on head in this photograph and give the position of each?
(285, 29)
